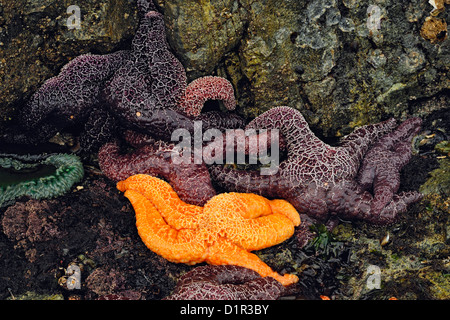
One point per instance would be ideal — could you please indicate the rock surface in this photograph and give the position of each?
(343, 63)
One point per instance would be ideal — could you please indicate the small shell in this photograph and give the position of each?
(72, 277)
(385, 240)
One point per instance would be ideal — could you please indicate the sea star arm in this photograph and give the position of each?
(246, 181)
(73, 91)
(191, 181)
(292, 125)
(203, 89)
(65, 99)
(303, 144)
(220, 120)
(251, 221)
(394, 144)
(399, 204)
(17, 134)
(175, 245)
(175, 212)
(137, 139)
(98, 129)
(151, 80)
(160, 123)
(358, 142)
(253, 144)
(381, 166)
(145, 6)
(349, 201)
(225, 282)
(280, 206)
(225, 252)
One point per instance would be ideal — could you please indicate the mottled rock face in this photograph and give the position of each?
(344, 63)
(202, 32)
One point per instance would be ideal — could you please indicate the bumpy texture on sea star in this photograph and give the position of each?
(224, 231)
(37, 176)
(225, 283)
(207, 88)
(320, 180)
(380, 169)
(143, 88)
(190, 181)
(148, 92)
(67, 99)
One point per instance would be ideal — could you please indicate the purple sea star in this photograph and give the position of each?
(191, 181)
(322, 181)
(380, 169)
(225, 282)
(67, 99)
(143, 88)
(207, 88)
(148, 92)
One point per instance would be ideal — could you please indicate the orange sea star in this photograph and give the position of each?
(223, 232)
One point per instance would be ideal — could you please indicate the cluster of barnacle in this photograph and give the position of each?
(434, 29)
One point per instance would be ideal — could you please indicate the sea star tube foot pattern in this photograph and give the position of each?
(223, 231)
(207, 88)
(190, 181)
(321, 180)
(225, 282)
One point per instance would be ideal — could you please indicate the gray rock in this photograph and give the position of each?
(280, 50)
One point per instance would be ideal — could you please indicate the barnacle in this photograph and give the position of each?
(434, 30)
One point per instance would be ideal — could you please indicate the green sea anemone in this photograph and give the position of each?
(37, 176)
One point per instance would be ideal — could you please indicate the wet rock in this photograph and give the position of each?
(274, 52)
(36, 296)
(203, 32)
(105, 282)
(93, 228)
(439, 180)
(282, 50)
(413, 264)
(380, 272)
(31, 223)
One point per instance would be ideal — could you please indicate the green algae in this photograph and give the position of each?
(36, 296)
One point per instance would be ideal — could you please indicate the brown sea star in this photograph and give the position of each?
(225, 283)
(190, 181)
